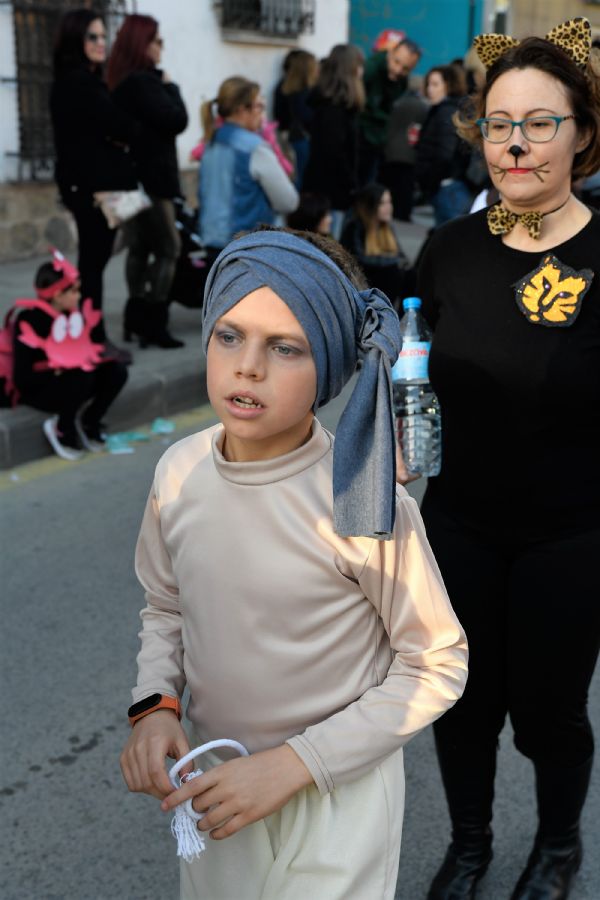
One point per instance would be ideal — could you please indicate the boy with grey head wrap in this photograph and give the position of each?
(343, 326)
(291, 587)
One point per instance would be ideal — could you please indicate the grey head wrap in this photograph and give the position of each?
(343, 326)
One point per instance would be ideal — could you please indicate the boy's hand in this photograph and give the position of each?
(143, 759)
(243, 790)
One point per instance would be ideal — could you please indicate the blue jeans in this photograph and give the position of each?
(302, 151)
(451, 200)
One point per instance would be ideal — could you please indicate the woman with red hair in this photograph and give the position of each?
(144, 91)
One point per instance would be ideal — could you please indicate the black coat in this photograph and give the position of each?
(162, 115)
(332, 167)
(391, 274)
(91, 135)
(440, 152)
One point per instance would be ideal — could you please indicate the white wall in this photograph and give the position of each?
(198, 60)
(195, 57)
(9, 129)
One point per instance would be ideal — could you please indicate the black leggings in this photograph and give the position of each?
(96, 241)
(152, 233)
(66, 393)
(531, 612)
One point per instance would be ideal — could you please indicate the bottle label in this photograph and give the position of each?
(412, 364)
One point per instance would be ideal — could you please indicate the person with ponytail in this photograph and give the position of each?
(241, 182)
(512, 294)
(144, 91)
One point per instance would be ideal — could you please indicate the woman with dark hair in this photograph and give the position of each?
(442, 158)
(337, 99)
(313, 214)
(371, 235)
(141, 89)
(512, 294)
(91, 135)
(300, 78)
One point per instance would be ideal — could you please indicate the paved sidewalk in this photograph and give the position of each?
(161, 382)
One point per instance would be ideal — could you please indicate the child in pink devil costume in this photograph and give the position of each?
(57, 367)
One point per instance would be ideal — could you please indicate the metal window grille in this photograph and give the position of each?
(35, 24)
(277, 18)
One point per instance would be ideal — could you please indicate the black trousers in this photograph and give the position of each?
(399, 179)
(370, 160)
(66, 393)
(96, 241)
(154, 245)
(531, 612)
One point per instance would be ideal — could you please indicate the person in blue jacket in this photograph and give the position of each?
(241, 183)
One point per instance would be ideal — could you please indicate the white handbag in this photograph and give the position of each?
(120, 206)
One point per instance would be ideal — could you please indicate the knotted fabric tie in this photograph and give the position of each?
(344, 326)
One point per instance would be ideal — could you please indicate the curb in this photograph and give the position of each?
(179, 386)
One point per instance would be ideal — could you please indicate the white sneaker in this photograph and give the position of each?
(90, 443)
(60, 448)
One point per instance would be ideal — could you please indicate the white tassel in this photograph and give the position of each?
(184, 827)
(184, 824)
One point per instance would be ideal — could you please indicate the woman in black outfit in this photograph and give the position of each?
(91, 137)
(513, 296)
(371, 235)
(143, 90)
(441, 157)
(337, 99)
(300, 78)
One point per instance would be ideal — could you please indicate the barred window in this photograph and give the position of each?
(276, 18)
(35, 25)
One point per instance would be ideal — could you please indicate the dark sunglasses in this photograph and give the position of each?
(157, 40)
(95, 37)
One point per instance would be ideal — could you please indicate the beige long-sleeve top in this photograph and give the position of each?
(283, 631)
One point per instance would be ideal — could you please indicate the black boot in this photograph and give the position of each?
(134, 318)
(148, 321)
(157, 332)
(557, 851)
(468, 776)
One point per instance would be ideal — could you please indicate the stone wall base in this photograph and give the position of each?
(32, 218)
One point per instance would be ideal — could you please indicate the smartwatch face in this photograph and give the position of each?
(144, 705)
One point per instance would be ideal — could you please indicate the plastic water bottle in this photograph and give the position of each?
(416, 407)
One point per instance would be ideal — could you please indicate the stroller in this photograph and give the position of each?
(192, 268)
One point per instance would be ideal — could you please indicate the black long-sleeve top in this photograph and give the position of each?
(391, 274)
(520, 402)
(91, 135)
(332, 167)
(440, 153)
(30, 372)
(162, 115)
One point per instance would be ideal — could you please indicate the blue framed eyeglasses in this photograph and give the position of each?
(537, 129)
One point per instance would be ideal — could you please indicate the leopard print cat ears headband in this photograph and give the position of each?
(574, 37)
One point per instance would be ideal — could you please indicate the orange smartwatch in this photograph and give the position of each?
(151, 704)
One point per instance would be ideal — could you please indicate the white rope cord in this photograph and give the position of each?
(190, 841)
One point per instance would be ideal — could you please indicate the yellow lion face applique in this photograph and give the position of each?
(551, 294)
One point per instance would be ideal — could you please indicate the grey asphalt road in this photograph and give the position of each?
(70, 601)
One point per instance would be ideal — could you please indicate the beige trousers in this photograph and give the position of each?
(344, 846)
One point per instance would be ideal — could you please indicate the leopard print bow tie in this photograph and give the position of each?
(574, 37)
(501, 220)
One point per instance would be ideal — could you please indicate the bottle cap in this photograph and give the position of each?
(411, 303)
